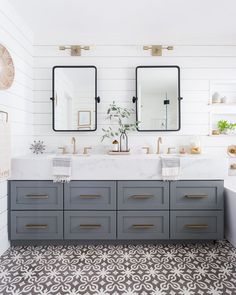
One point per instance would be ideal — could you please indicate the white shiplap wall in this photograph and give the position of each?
(116, 81)
(18, 100)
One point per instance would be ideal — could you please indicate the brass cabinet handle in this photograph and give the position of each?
(90, 226)
(90, 196)
(143, 225)
(196, 196)
(196, 226)
(36, 226)
(38, 197)
(141, 197)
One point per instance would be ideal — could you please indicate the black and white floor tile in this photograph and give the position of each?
(183, 269)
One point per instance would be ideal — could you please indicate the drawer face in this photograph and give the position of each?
(143, 195)
(36, 225)
(196, 225)
(90, 195)
(143, 225)
(36, 195)
(90, 225)
(196, 195)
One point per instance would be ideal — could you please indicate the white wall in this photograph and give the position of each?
(18, 100)
(116, 81)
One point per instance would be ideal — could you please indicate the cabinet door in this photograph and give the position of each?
(196, 225)
(90, 195)
(95, 225)
(143, 195)
(36, 195)
(197, 195)
(142, 225)
(36, 225)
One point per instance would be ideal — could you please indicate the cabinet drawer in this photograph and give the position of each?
(196, 225)
(36, 225)
(36, 195)
(143, 195)
(142, 225)
(90, 195)
(196, 195)
(90, 225)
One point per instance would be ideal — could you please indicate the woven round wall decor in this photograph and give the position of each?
(7, 70)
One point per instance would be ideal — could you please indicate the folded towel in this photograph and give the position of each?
(61, 169)
(5, 150)
(170, 167)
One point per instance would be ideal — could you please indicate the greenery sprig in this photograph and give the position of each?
(121, 116)
(224, 125)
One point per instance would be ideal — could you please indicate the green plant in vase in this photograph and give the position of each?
(226, 127)
(121, 117)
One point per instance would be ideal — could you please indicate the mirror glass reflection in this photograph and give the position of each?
(157, 93)
(74, 95)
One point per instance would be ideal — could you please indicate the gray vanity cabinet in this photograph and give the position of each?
(115, 210)
(36, 210)
(196, 210)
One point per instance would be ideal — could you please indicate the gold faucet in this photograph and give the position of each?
(147, 148)
(73, 141)
(159, 141)
(86, 148)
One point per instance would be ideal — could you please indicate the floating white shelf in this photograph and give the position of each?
(222, 111)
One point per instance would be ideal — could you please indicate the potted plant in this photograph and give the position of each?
(121, 117)
(226, 127)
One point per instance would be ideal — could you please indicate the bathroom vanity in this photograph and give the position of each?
(103, 208)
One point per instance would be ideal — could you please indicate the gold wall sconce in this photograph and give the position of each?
(75, 50)
(156, 50)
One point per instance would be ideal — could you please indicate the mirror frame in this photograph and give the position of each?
(135, 98)
(96, 101)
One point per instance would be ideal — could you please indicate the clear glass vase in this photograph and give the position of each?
(124, 145)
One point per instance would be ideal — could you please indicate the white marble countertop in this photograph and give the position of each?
(119, 167)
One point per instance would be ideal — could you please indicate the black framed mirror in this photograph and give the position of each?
(158, 100)
(74, 98)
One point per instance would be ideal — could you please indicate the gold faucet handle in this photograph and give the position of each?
(147, 148)
(63, 149)
(86, 148)
(170, 149)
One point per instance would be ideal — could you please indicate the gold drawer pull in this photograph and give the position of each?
(196, 226)
(143, 225)
(141, 197)
(90, 226)
(36, 226)
(90, 196)
(196, 196)
(38, 197)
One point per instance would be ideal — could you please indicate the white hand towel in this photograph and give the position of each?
(170, 167)
(5, 150)
(61, 169)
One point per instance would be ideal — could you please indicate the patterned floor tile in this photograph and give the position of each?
(181, 269)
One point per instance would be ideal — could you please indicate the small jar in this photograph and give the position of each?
(115, 146)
